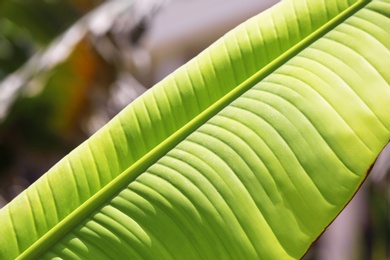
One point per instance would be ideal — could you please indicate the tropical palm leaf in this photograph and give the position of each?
(248, 151)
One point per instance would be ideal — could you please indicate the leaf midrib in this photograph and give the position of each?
(140, 166)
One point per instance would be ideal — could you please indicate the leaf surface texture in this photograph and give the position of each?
(248, 151)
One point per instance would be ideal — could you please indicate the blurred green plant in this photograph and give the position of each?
(26, 26)
(59, 79)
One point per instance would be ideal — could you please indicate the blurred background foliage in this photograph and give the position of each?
(59, 64)
(28, 25)
(67, 67)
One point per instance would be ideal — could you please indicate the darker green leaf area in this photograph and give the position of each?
(26, 26)
(42, 19)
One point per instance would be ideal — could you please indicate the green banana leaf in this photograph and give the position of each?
(248, 151)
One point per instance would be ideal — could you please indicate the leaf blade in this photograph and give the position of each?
(291, 145)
